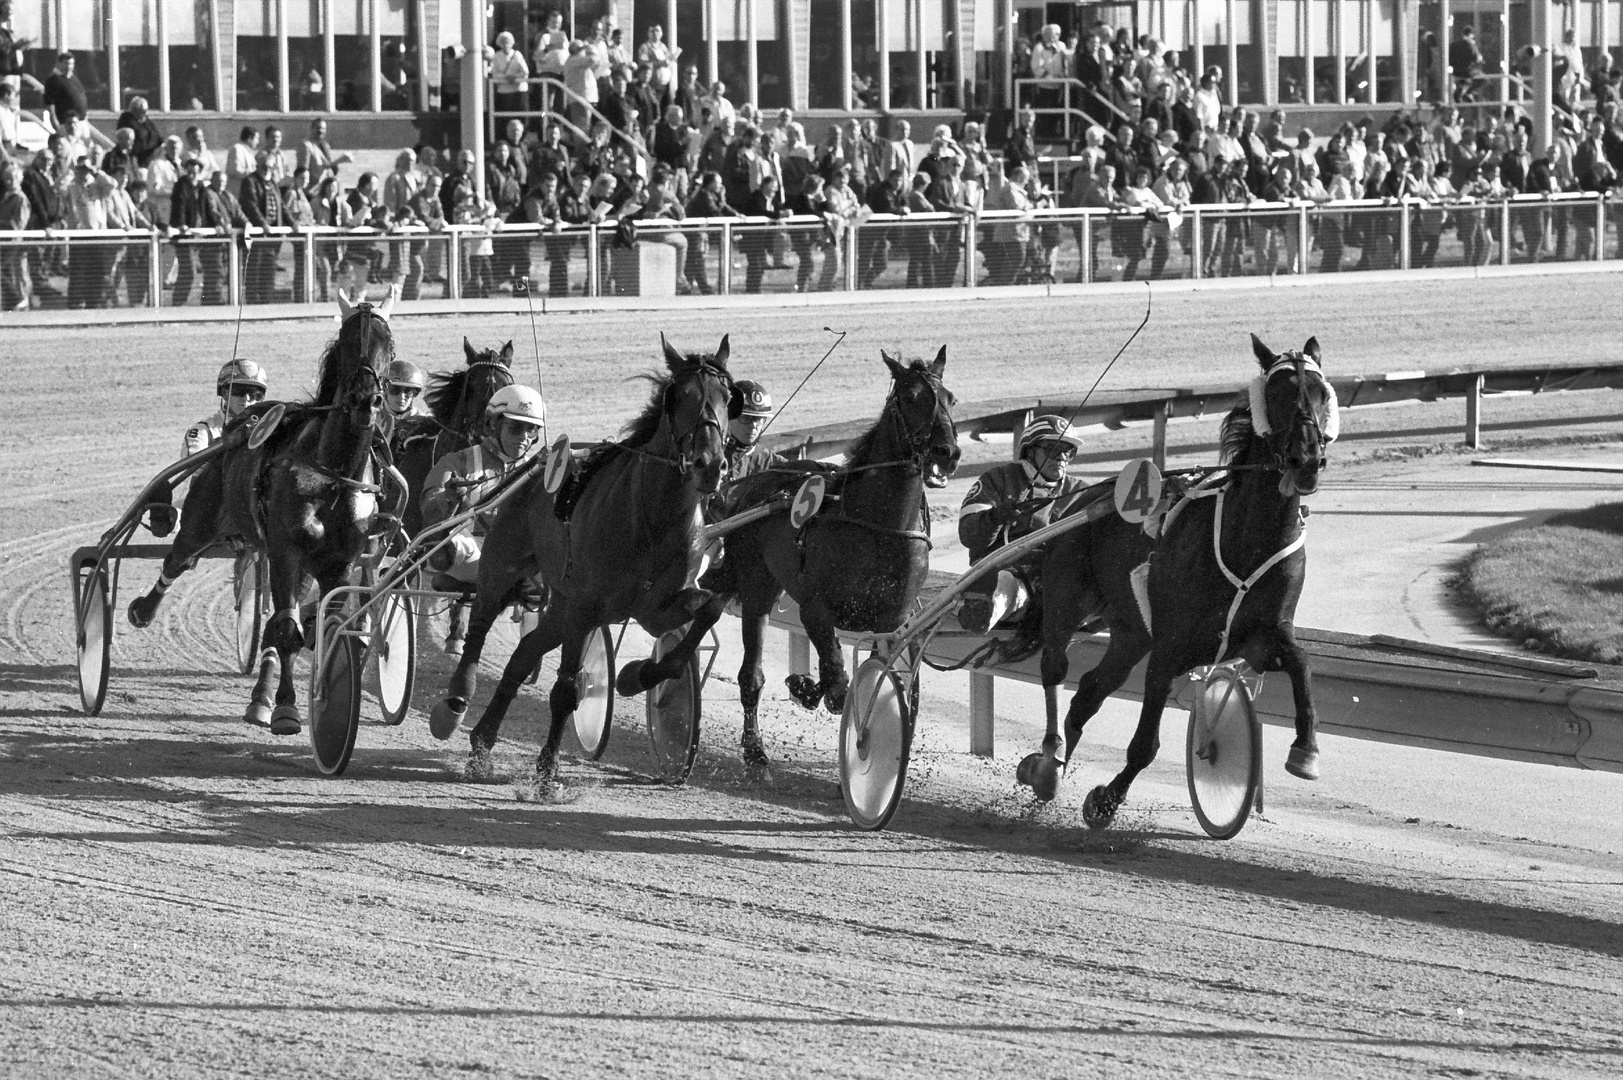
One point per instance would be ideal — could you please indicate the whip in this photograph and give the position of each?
(535, 340)
(773, 418)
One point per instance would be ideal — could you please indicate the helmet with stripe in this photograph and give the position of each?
(1049, 428)
(753, 400)
(517, 403)
(241, 373)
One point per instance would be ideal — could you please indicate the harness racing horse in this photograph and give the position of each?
(306, 496)
(630, 550)
(857, 567)
(456, 402)
(1224, 579)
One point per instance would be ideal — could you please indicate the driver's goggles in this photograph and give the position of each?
(247, 393)
(403, 390)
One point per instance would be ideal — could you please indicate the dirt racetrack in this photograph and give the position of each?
(184, 896)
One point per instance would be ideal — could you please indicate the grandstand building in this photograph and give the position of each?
(385, 71)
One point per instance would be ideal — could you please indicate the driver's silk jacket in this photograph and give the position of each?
(995, 500)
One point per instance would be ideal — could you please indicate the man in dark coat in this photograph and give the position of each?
(263, 209)
(44, 212)
(148, 139)
(65, 94)
(186, 213)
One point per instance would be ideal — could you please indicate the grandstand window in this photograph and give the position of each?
(693, 38)
(1292, 54)
(257, 75)
(137, 34)
(902, 35)
(307, 73)
(1386, 51)
(352, 53)
(188, 30)
(398, 67)
(1325, 24)
(827, 40)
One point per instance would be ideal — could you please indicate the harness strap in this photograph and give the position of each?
(1242, 588)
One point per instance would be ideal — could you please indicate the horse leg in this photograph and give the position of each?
(1278, 645)
(563, 701)
(1099, 809)
(199, 525)
(750, 681)
(1127, 647)
(639, 675)
(531, 648)
(832, 680)
(285, 635)
(1061, 612)
(496, 583)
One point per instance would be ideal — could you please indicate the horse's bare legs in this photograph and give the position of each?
(565, 696)
(531, 648)
(832, 680)
(284, 635)
(750, 681)
(1276, 648)
(1100, 807)
(1127, 647)
(498, 580)
(699, 609)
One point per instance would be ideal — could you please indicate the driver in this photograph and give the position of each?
(744, 457)
(1007, 502)
(239, 384)
(513, 421)
(406, 383)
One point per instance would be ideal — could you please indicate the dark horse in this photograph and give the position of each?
(306, 497)
(858, 565)
(456, 403)
(630, 550)
(1199, 613)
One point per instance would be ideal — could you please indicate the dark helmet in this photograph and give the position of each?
(406, 373)
(754, 398)
(240, 373)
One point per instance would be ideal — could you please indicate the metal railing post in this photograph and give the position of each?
(309, 264)
(1600, 225)
(970, 245)
(1404, 235)
(155, 268)
(233, 271)
(724, 267)
(1085, 261)
(594, 260)
(453, 264)
(850, 244)
(1304, 240)
(1473, 415)
(1196, 245)
(1504, 233)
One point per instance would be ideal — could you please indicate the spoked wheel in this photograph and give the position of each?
(594, 708)
(876, 736)
(1224, 753)
(335, 712)
(95, 640)
(249, 588)
(394, 643)
(673, 716)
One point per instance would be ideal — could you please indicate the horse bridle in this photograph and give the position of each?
(916, 440)
(687, 445)
(1278, 442)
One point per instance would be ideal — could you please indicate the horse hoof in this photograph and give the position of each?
(1045, 778)
(834, 699)
(141, 612)
(258, 713)
(1026, 772)
(480, 767)
(1302, 763)
(805, 691)
(445, 716)
(755, 755)
(1099, 808)
(628, 683)
(544, 787)
(285, 720)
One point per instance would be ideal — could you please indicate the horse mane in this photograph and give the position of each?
(860, 452)
(445, 389)
(351, 333)
(1234, 437)
(641, 430)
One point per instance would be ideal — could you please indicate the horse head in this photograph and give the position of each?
(1294, 411)
(921, 409)
(355, 368)
(698, 400)
(457, 399)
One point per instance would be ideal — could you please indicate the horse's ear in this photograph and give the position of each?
(723, 351)
(673, 359)
(894, 363)
(388, 302)
(506, 355)
(1312, 348)
(468, 350)
(346, 306)
(939, 364)
(1265, 355)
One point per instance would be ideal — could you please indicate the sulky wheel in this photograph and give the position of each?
(673, 716)
(1224, 753)
(594, 710)
(95, 640)
(394, 643)
(876, 735)
(248, 588)
(335, 713)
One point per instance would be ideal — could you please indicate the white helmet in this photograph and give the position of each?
(1049, 428)
(517, 403)
(241, 373)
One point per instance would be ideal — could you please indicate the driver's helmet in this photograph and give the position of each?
(241, 373)
(1049, 428)
(756, 401)
(406, 373)
(517, 403)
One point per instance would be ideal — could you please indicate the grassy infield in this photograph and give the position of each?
(1557, 586)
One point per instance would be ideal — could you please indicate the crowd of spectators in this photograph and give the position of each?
(627, 137)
